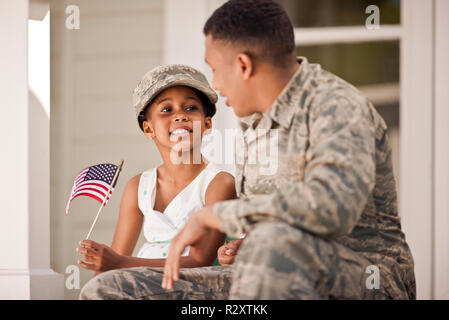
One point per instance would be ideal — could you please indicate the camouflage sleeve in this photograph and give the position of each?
(338, 178)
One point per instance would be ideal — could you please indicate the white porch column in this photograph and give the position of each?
(25, 271)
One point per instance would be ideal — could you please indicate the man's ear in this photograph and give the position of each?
(245, 65)
(148, 129)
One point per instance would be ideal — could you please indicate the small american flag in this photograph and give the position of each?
(94, 182)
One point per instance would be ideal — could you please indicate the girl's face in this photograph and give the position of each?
(176, 119)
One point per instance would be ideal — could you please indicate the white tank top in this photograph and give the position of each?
(160, 228)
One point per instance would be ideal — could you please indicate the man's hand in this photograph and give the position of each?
(195, 229)
(227, 252)
(98, 257)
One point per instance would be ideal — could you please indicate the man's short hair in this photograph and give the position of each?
(260, 25)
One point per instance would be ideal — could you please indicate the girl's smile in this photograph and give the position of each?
(180, 131)
(176, 120)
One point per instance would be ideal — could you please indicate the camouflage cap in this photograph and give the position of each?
(163, 77)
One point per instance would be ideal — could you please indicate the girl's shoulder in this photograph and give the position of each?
(218, 172)
(129, 197)
(221, 179)
(133, 183)
(139, 178)
(221, 185)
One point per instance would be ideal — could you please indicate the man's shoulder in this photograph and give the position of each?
(326, 86)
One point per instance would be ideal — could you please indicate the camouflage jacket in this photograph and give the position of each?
(328, 169)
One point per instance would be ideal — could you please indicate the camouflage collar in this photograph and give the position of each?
(286, 104)
(250, 121)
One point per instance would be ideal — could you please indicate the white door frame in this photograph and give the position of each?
(441, 151)
(416, 124)
(424, 142)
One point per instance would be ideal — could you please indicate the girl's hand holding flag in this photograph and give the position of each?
(98, 257)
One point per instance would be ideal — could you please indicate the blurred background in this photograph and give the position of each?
(402, 67)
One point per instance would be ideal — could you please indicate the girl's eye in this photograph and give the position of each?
(166, 109)
(190, 108)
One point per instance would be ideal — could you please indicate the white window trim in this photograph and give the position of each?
(353, 34)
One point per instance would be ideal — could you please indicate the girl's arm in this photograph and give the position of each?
(130, 220)
(203, 253)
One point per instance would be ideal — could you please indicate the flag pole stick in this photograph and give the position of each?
(104, 200)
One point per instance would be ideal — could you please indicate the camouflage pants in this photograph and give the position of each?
(275, 261)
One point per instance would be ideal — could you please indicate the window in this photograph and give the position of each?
(333, 34)
(332, 13)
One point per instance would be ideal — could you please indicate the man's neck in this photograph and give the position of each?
(272, 84)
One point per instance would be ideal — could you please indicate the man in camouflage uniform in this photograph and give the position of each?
(323, 225)
(332, 201)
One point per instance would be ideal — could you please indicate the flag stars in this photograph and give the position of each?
(94, 182)
(103, 172)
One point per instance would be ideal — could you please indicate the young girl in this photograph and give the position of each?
(174, 106)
